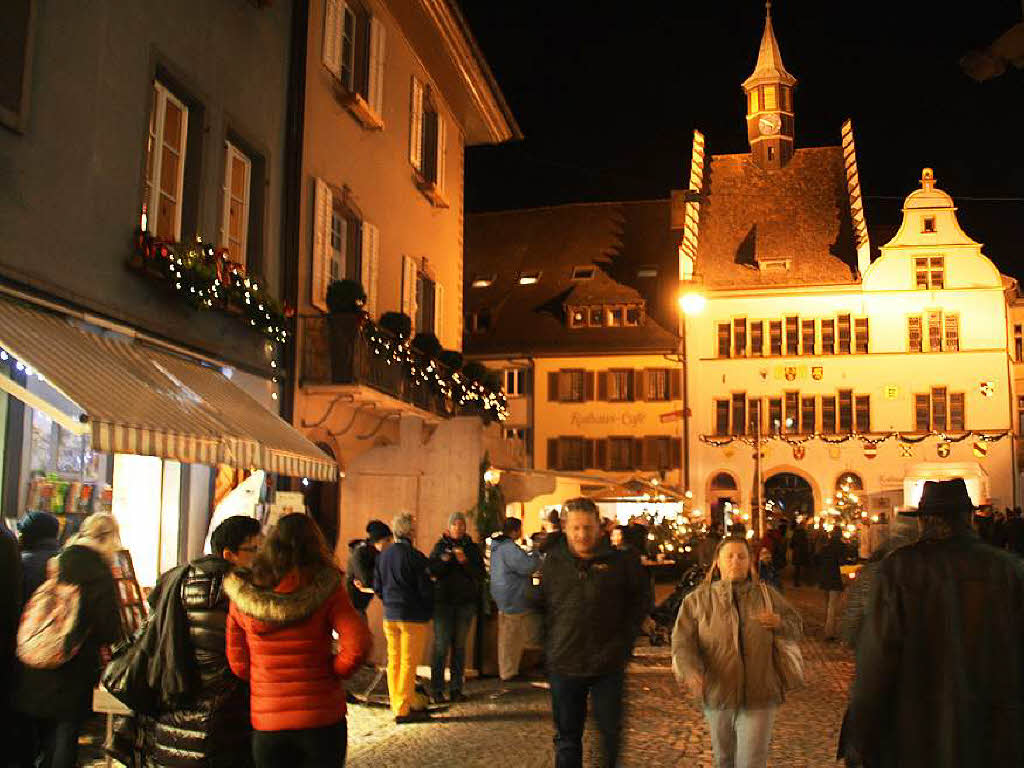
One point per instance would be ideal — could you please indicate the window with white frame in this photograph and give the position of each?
(930, 272)
(353, 51)
(345, 246)
(235, 203)
(428, 141)
(515, 381)
(165, 164)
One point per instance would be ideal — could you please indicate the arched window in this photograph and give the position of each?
(723, 481)
(851, 481)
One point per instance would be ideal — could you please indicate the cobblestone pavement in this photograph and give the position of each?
(510, 724)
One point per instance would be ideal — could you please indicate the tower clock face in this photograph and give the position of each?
(769, 125)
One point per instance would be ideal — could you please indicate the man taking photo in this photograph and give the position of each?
(594, 599)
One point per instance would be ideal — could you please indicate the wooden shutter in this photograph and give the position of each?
(409, 286)
(333, 20)
(442, 152)
(553, 387)
(602, 385)
(588, 385)
(677, 453)
(601, 454)
(552, 453)
(637, 454)
(675, 383)
(370, 265)
(649, 458)
(439, 330)
(321, 262)
(589, 453)
(416, 126)
(375, 86)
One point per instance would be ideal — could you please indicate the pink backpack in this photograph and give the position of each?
(47, 621)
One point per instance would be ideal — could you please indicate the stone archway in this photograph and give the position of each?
(791, 493)
(722, 486)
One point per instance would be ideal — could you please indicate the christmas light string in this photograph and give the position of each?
(907, 438)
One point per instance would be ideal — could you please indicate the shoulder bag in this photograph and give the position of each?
(786, 654)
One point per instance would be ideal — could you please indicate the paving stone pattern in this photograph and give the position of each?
(510, 724)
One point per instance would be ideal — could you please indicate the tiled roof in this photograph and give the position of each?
(752, 220)
(530, 319)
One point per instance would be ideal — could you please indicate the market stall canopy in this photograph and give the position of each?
(639, 490)
(135, 398)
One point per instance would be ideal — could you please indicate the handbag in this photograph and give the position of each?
(786, 654)
(126, 676)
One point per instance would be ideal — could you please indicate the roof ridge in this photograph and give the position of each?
(578, 204)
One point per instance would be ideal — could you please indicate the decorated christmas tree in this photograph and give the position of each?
(847, 505)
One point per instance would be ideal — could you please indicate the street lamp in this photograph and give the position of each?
(691, 302)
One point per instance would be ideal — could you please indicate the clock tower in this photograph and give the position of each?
(769, 92)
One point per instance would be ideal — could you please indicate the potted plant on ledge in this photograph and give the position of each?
(345, 302)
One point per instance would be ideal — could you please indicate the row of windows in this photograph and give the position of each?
(792, 335)
(617, 385)
(615, 316)
(943, 332)
(617, 454)
(766, 97)
(793, 413)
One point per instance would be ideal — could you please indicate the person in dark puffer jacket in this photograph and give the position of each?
(214, 729)
(280, 638)
(38, 533)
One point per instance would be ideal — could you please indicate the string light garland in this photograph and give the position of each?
(208, 279)
(873, 439)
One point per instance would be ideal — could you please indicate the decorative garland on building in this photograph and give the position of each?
(208, 279)
(451, 385)
(873, 439)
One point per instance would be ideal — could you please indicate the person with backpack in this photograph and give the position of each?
(60, 672)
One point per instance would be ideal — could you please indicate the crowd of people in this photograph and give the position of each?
(243, 658)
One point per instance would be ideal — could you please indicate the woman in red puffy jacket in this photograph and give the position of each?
(279, 637)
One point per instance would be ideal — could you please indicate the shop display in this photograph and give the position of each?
(134, 608)
(70, 501)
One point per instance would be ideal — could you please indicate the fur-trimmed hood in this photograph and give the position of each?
(273, 607)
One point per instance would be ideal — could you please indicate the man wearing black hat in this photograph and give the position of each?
(940, 661)
(362, 559)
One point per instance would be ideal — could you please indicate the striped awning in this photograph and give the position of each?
(136, 398)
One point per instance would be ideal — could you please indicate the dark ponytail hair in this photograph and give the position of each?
(295, 542)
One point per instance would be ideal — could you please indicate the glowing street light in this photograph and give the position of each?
(692, 303)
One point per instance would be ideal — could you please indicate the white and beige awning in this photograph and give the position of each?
(132, 397)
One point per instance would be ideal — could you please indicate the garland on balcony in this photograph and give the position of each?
(207, 279)
(451, 385)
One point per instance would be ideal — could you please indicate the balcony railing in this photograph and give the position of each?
(339, 349)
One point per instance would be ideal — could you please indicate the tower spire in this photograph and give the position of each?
(769, 92)
(769, 67)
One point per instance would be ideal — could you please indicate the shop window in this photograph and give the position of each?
(935, 331)
(571, 386)
(791, 417)
(620, 453)
(863, 414)
(775, 415)
(739, 336)
(757, 338)
(808, 412)
(828, 336)
(166, 144)
(914, 338)
(620, 385)
(844, 335)
(828, 415)
(952, 336)
(792, 335)
(808, 337)
(930, 272)
(739, 413)
(657, 384)
(724, 340)
(922, 413)
(775, 338)
(146, 503)
(722, 417)
(860, 329)
(956, 411)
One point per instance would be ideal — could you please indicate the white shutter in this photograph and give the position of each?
(409, 287)
(225, 202)
(333, 20)
(442, 152)
(376, 84)
(416, 126)
(321, 261)
(439, 312)
(370, 265)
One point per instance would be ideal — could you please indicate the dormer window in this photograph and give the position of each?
(647, 272)
(616, 317)
(928, 224)
(577, 318)
(529, 278)
(483, 281)
(596, 317)
(633, 316)
(480, 321)
(583, 273)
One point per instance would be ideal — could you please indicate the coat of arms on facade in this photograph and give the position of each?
(833, 452)
(987, 388)
(906, 451)
(980, 450)
(790, 373)
(817, 372)
(870, 451)
(799, 452)
(942, 449)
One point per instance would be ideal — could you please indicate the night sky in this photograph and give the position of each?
(608, 94)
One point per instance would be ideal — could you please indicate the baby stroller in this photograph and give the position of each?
(665, 612)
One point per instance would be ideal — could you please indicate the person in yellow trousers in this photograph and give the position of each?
(402, 582)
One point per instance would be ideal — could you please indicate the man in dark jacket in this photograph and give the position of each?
(362, 560)
(402, 582)
(458, 569)
(830, 579)
(38, 534)
(594, 599)
(800, 545)
(940, 657)
(10, 611)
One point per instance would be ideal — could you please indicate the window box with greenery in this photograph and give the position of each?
(346, 300)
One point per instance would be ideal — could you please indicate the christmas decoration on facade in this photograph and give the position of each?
(942, 449)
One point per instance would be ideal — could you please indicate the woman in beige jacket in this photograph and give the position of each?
(722, 650)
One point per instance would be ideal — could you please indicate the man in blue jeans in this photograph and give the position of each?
(458, 567)
(594, 599)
